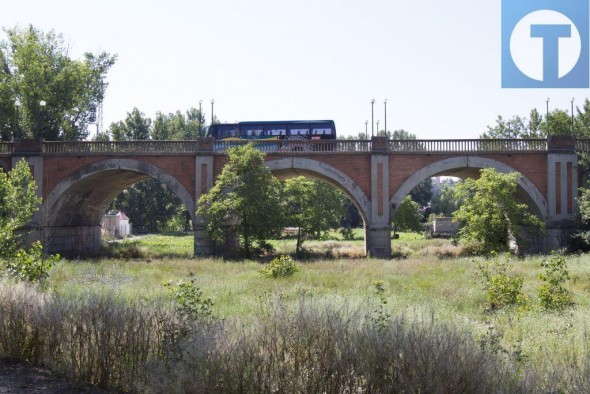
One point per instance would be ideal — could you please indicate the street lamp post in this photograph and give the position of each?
(377, 126)
(366, 129)
(547, 116)
(385, 103)
(212, 102)
(17, 106)
(573, 98)
(42, 103)
(200, 104)
(372, 118)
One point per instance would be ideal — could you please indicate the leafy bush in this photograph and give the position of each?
(190, 300)
(30, 265)
(401, 252)
(501, 288)
(347, 233)
(280, 267)
(551, 292)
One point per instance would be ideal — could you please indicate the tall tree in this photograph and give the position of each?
(490, 214)
(445, 202)
(245, 199)
(559, 122)
(43, 92)
(18, 203)
(178, 126)
(582, 120)
(135, 127)
(407, 217)
(150, 205)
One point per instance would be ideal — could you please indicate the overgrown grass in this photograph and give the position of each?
(310, 346)
(424, 287)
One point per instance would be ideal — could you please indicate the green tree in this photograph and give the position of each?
(559, 122)
(299, 198)
(177, 126)
(35, 67)
(245, 199)
(313, 206)
(18, 203)
(490, 214)
(582, 120)
(512, 128)
(136, 126)
(407, 217)
(150, 205)
(445, 201)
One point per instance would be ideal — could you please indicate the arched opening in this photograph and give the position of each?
(469, 167)
(288, 168)
(292, 167)
(72, 212)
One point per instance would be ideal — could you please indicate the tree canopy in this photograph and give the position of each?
(556, 122)
(244, 199)
(490, 214)
(408, 216)
(43, 92)
(18, 203)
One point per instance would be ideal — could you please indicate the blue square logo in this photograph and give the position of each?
(545, 44)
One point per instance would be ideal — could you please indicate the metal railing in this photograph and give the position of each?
(468, 146)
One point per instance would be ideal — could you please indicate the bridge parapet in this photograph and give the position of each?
(469, 146)
(300, 147)
(127, 147)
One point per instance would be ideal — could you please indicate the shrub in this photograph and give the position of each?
(401, 252)
(501, 288)
(551, 292)
(30, 265)
(280, 267)
(347, 233)
(190, 300)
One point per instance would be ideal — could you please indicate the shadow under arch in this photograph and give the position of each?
(80, 199)
(295, 166)
(469, 166)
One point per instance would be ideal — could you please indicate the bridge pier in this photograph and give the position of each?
(72, 240)
(378, 230)
(562, 191)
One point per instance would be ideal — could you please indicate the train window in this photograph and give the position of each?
(297, 130)
(251, 132)
(275, 131)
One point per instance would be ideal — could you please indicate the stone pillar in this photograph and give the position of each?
(378, 230)
(562, 190)
(204, 162)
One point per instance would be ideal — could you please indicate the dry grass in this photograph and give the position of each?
(313, 347)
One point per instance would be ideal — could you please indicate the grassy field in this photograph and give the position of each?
(422, 285)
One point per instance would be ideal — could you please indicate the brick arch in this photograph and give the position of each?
(295, 166)
(82, 197)
(527, 190)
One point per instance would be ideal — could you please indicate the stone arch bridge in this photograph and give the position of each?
(77, 180)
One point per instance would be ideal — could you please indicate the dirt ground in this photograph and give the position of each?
(23, 378)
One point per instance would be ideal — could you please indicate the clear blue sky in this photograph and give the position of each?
(438, 63)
